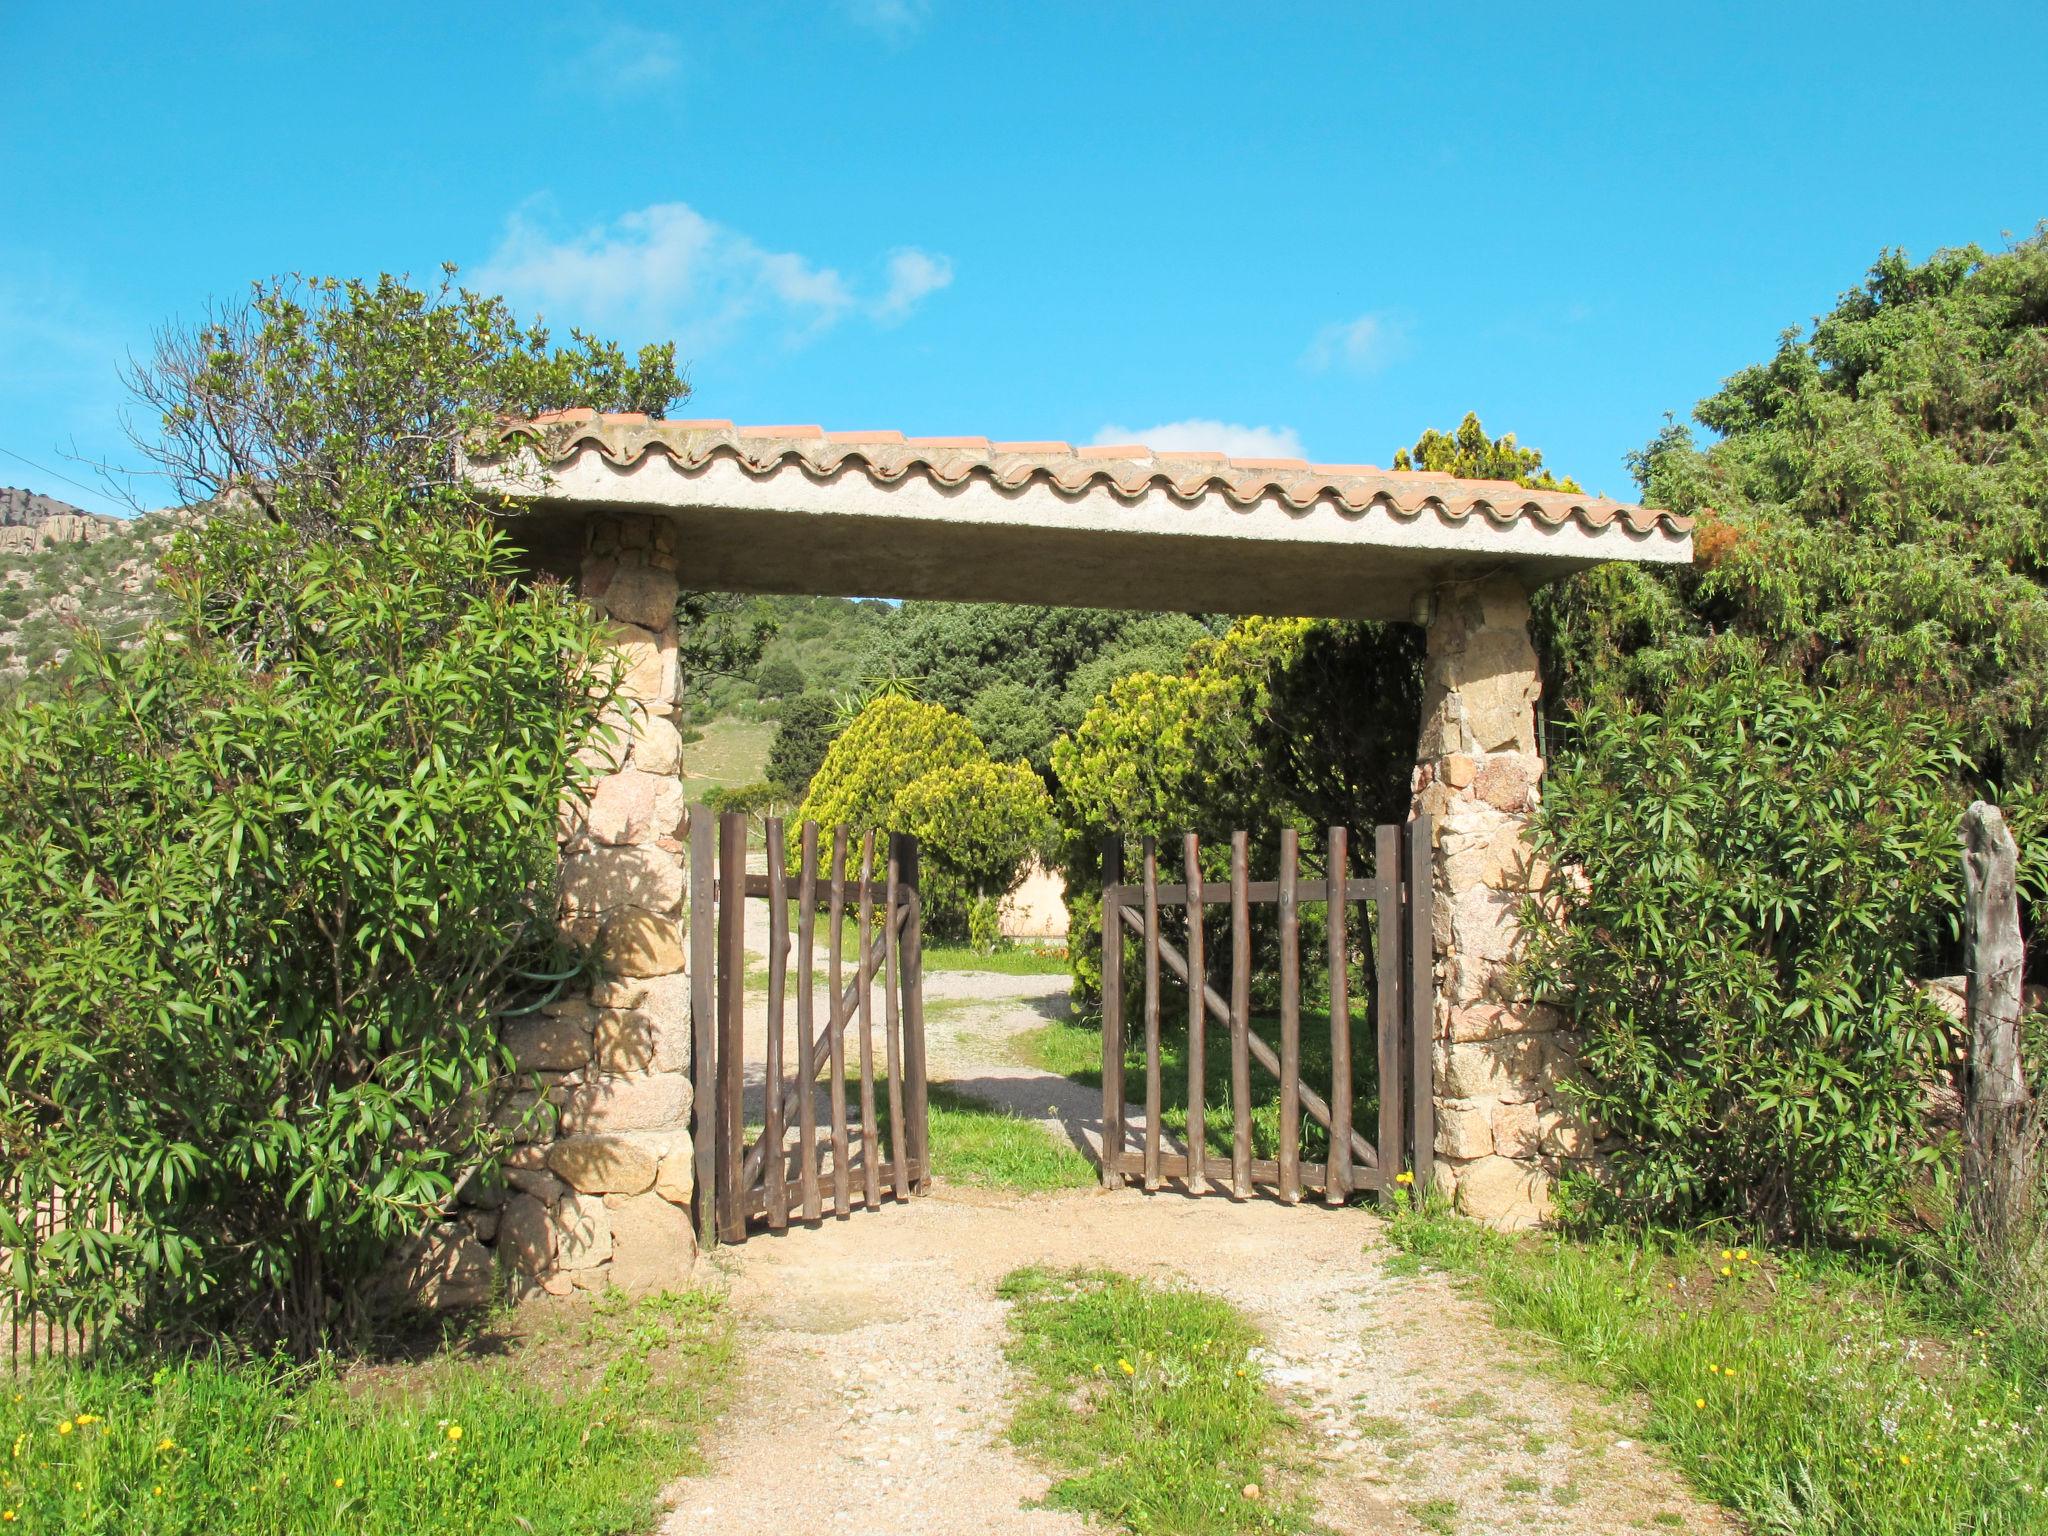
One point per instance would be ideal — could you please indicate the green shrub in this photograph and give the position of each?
(267, 881)
(906, 766)
(803, 735)
(1750, 879)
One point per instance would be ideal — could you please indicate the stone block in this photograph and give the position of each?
(642, 1040)
(609, 879)
(1504, 782)
(637, 942)
(1463, 1131)
(606, 1165)
(647, 663)
(634, 807)
(583, 1232)
(537, 1182)
(526, 1236)
(666, 995)
(658, 1101)
(642, 594)
(653, 1247)
(1515, 1132)
(524, 1115)
(1503, 1193)
(1561, 1134)
(658, 747)
(676, 1180)
(1490, 1069)
(1459, 768)
(543, 1044)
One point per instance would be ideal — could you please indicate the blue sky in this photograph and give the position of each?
(1307, 227)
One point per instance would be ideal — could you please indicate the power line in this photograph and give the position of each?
(45, 469)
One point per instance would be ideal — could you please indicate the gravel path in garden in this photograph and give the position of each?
(871, 1392)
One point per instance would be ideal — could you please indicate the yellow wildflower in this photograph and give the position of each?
(64, 1428)
(1742, 1254)
(1404, 1177)
(7, 1515)
(1126, 1367)
(1727, 1270)
(1699, 1402)
(454, 1431)
(166, 1444)
(1727, 1253)
(337, 1482)
(88, 1418)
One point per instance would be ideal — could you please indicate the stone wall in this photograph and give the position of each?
(1502, 1129)
(597, 1190)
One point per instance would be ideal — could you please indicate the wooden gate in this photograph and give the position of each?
(802, 1159)
(1395, 903)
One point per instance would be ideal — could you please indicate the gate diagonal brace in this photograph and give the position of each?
(1219, 1010)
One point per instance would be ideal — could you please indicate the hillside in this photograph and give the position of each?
(61, 568)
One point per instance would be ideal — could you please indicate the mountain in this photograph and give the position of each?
(30, 521)
(62, 568)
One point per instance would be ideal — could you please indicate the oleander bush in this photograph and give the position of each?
(267, 880)
(1747, 883)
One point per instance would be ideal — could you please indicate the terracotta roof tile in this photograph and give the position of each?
(1129, 469)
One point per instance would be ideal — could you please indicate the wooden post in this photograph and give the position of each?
(1240, 1015)
(806, 1023)
(870, 1139)
(732, 1010)
(1197, 980)
(1337, 866)
(1112, 1014)
(1290, 1017)
(1153, 1107)
(1390, 1010)
(1998, 1131)
(1422, 997)
(899, 1178)
(911, 979)
(835, 1029)
(703, 918)
(776, 1164)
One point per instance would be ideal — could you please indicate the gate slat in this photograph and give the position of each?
(1261, 1053)
(1240, 1016)
(703, 1019)
(835, 1027)
(732, 1003)
(1337, 865)
(1198, 1018)
(910, 976)
(778, 980)
(1112, 1014)
(1152, 1083)
(1290, 1020)
(1390, 1009)
(891, 1026)
(806, 1023)
(1422, 998)
(870, 1142)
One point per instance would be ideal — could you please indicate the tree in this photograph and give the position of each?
(268, 882)
(906, 766)
(802, 737)
(1470, 454)
(1031, 660)
(779, 679)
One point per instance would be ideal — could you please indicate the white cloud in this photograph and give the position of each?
(912, 275)
(1231, 437)
(892, 18)
(1364, 345)
(625, 58)
(668, 270)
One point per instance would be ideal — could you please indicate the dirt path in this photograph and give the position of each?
(872, 1391)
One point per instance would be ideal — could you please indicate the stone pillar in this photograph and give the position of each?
(1501, 1128)
(600, 1193)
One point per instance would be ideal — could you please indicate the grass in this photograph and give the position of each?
(1018, 959)
(1806, 1395)
(979, 1144)
(569, 1433)
(727, 754)
(1149, 1404)
(1075, 1051)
